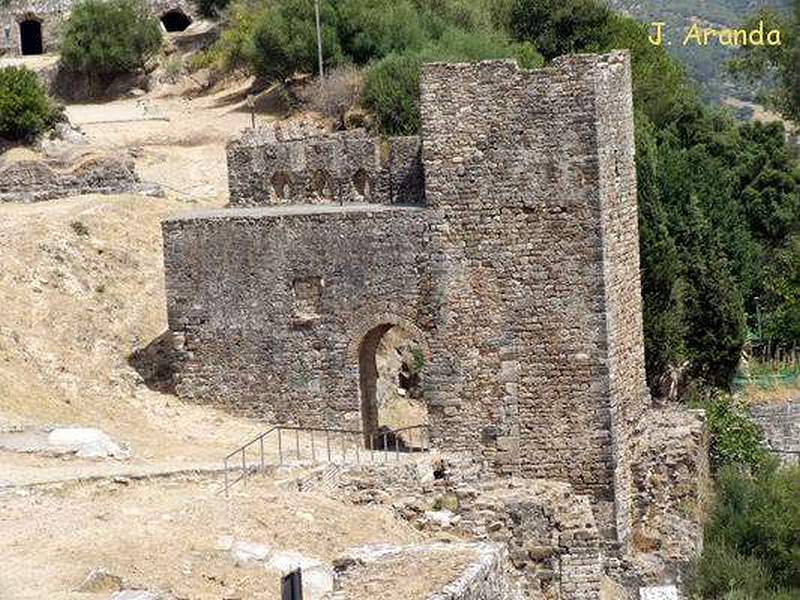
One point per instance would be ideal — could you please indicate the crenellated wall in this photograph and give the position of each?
(345, 167)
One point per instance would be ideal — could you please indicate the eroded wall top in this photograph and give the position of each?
(341, 168)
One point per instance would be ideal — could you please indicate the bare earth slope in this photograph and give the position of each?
(81, 289)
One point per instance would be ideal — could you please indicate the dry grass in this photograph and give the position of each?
(340, 93)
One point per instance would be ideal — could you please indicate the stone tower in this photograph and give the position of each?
(504, 238)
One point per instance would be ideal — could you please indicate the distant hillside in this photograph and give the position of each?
(706, 65)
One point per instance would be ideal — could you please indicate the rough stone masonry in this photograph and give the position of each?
(504, 238)
(29, 27)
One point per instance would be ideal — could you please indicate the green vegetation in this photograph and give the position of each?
(752, 545)
(775, 67)
(703, 63)
(107, 38)
(211, 8)
(26, 111)
(391, 39)
(735, 438)
(719, 204)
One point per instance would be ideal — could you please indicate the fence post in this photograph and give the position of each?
(261, 440)
(280, 447)
(297, 443)
(244, 466)
(328, 443)
(385, 448)
(358, 443)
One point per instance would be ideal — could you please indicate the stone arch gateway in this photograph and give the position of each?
(506, 234)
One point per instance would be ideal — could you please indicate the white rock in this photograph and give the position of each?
(134, 595)
(664, 592)
(85, 442)
(443, 518)
(317, 576)
(246, 553)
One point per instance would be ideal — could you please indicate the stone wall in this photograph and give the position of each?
(554, 544)
(672, 491)
(536, 265)
(35, 180)
(269, 307)
(51, 14)
(780, 424)
(482, 576)
(518, 275)
(343, 167)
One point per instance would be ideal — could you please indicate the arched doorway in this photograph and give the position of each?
(391, 364)
(30, 36)
(175, 20)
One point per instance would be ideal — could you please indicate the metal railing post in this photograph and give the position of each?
(396, 447)
(297, 443)
(261, 440)
(280, 447)
(358, 456)
(372, 447)
(226, 477)
(244, 466)
(328, 443)
(385, 448)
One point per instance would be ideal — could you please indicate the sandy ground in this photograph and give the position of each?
(170, 536)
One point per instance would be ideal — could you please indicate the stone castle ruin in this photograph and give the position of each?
(504, 239)
(30, 27)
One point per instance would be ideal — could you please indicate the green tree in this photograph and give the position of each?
(776, 67)
(109, 37)
(557, 27)
(285, 39)
(26, 110)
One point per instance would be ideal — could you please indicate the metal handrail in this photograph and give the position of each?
(358, 433)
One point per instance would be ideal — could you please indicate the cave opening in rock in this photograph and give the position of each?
(30, 35)
(175, 20)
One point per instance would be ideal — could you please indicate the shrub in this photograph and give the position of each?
(26, 110)
(285, 39)
(735, 438)
(752, 545)
(391, 92)
(234, 49)
(373, 29)
(211, 8)
(342, 91)
(109, 37)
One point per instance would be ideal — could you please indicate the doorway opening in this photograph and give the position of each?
(30, 36)
(175, 20)
(391, 365)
